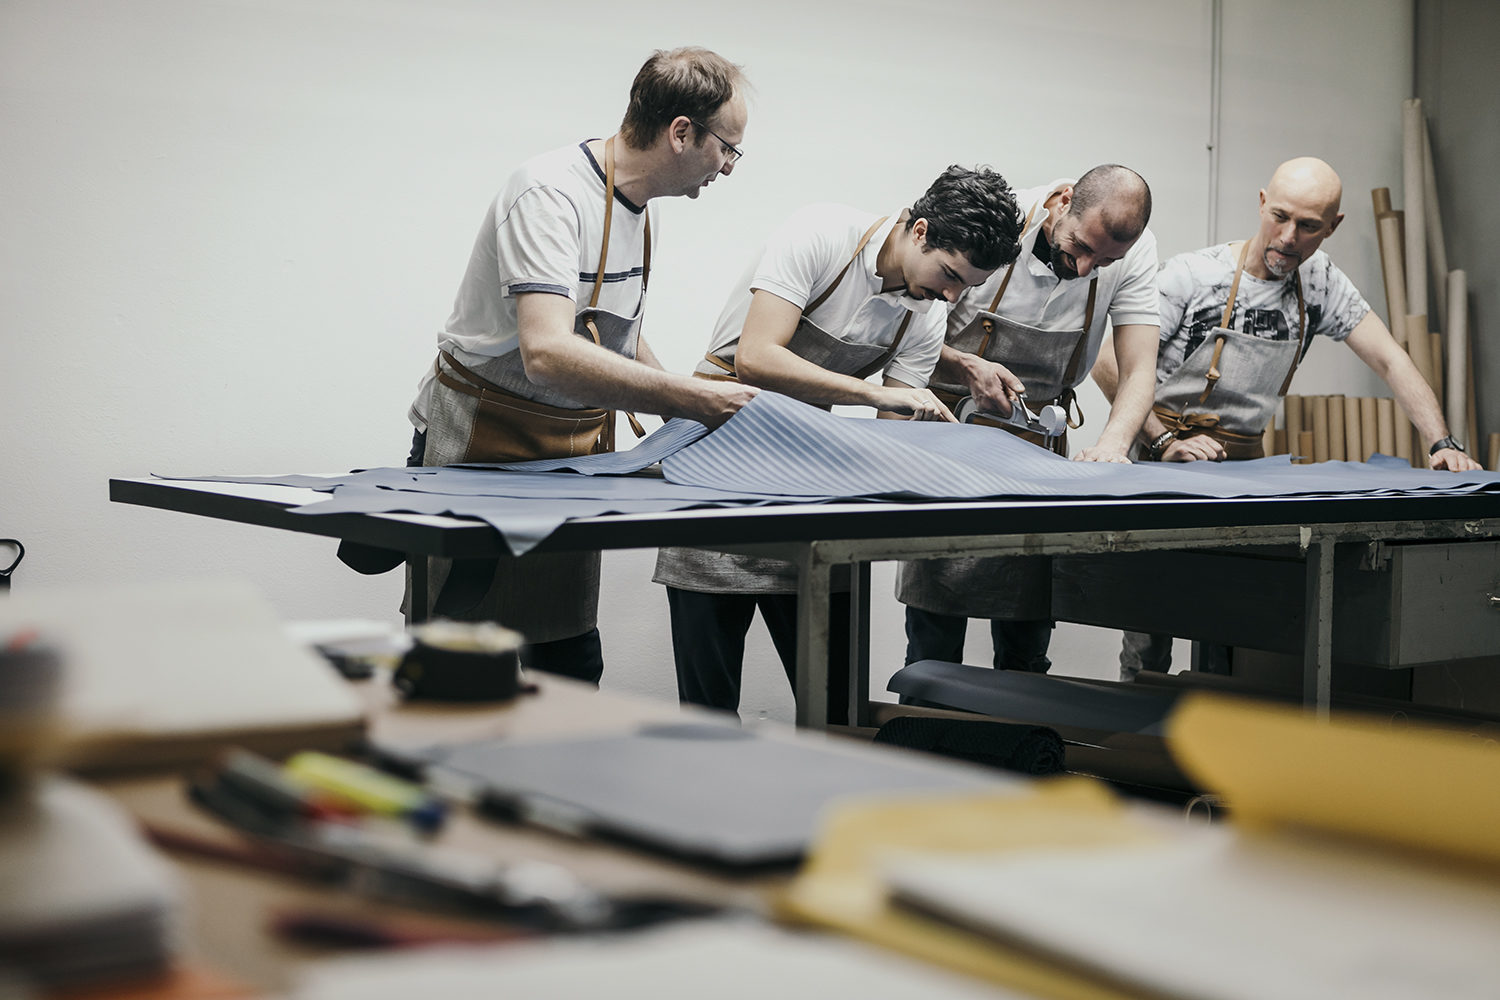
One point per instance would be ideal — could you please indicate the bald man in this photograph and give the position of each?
(1248, 311)
(1035, 327)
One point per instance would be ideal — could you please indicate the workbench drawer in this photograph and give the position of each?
(1410, 603)
(1396, 604)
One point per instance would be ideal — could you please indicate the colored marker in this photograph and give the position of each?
(367, 788)
(263, 782)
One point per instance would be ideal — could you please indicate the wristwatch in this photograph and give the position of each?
(1159, 444)
(1444, 442)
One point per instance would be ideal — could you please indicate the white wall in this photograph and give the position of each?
(233, 228)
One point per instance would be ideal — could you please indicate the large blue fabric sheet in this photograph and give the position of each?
(777, 450)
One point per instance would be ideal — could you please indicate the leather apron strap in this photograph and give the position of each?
(609, 211)
(989, 327)
(864, 241)
(1214, 374)
(1068, 398)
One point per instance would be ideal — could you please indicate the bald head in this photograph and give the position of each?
(1121, 195)
(1299, 209)
(1311, 182)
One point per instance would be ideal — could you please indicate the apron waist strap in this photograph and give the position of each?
(481, 388)
(1236, 445)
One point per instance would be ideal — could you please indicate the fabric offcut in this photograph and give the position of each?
(779, 450)
(1034, 750)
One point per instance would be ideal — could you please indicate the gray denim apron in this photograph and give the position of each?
(492, 412)
(1228, 387)
(726, 573)
(1048, 363)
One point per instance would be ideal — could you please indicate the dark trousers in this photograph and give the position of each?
(708, 645)
(578, 656)
(1019, 645)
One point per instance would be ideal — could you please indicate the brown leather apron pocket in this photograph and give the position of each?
(511, 429)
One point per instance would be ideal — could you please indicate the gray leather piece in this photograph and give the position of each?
(777, 450)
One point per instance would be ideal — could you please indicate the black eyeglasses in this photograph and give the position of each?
(734, 151)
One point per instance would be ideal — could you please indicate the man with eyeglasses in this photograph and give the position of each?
(543, 345)
(836, 296)
(1034, 329)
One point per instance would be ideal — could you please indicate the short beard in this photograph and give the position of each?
(1278, 271)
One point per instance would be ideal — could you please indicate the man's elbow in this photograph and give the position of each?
(750, 365)
(545, 364)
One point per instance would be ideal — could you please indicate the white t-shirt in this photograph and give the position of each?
(542, 234)
(800, 261)
(1037, 297)
(1195, 286)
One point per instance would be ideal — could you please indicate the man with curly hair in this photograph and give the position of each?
(836, 296)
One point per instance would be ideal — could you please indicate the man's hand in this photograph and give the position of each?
(1198, 448)
(915, 404)
(1098, 454)
(719, 401)
(992, 385)
(1452, 460)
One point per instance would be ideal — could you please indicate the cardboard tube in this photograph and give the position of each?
(1369, 424)
(1280, 448)
(1336, 429)
(1389, 226)
(1457, 383)
(1354, 447)
(1494, 450)
(1435, 352)
(1412, 197)
(1419, 346)
(1473, 437)
(1304, 448)
(1437, 251)
(1320, 428)
(1293, 408)
(1385, 415)
(1380, 198)
(1404, 432)
(1268, 439)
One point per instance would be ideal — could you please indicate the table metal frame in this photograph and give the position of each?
(819, 537)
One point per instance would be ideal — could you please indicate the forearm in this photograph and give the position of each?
(955, 367)
(589, 373)
(646, 356)
(1417, 399)
(777, 368)
(1131, 412)
(1134, 357)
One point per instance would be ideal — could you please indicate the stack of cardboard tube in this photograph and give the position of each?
(1333, 428)
(1412, 251)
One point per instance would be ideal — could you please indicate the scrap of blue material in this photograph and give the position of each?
(777, 450)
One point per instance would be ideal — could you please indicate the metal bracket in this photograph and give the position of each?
(1376, 557)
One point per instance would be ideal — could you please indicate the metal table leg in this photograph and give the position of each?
(1317, 642)
(858, 693)
(814, 585)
